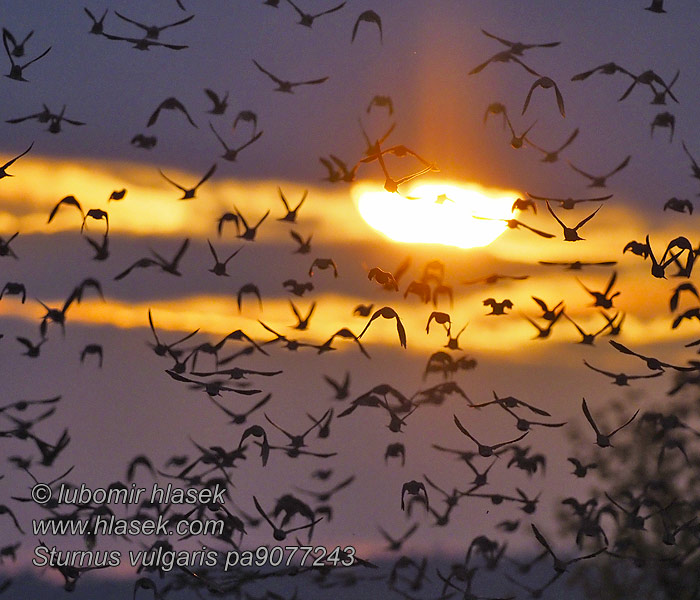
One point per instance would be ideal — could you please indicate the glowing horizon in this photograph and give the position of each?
(438, 213)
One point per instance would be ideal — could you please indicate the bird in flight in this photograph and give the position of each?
(189, 193)
(560, 565)
(514, 224)
(621, 379)
(219, 267)
(304, 244)
(287, 86)
(494, 278)
(664, 119)
(577, 265)
(549, 314)
(9, 163)
(546, 83)
(171, 103)
(388, 313)
(648, 78)
(153, 31)
(504, 57)
(601, 180)
(17, 47)
(519, 48)
(693, 163)
(544, 332)
(601, 298)
(656, 6)
(144, 141)
(607, 69)
(553, 155)
(46, 116)
(220, 102)
(14, 289)
(381, 101)
(165, 265)
(291, 216)
(143, 43)
(307, 19)
(483, 449)
(231, 153)
(250, 231)
(569, 203)
(679, 205)
(16, 70)
(323, 264)
(97, 24)
(42, 117)
(247, 116)
(683, 287)
(517, 141)
(498, 308)
(571, 233)
(601, 439)
(414, 488)
(369, 16)
(587, 338)
(652, 363)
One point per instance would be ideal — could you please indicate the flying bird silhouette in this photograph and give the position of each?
(9, 163)
(664, 119)
(679, 205)
(250, 231)
(291, 216)
(381, 101)
(545, 83)
(97, 24)
(14, 289)
(571, 233)
(369, 16)
(551, 156)
(189, 193)
(621, 379)
(144, 44)
(220, 103)
(247, 116)
(323, 264)
(287, 86)
(17, 46)
(519, 48)
(171, 103)
(606, 69)
(483, 449)
(569, 203)
(304, 244)
(66, 201)
(603, 440)
(16, 70)
(600, 180)
(388, 313)
(603, 299)
(248, 288)
(514, 224)
(152, 32)
(307, 19)
(231, 153)
(219, 267)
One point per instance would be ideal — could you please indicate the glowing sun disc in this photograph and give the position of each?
(438, 213)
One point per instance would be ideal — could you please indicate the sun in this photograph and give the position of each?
(437, 213)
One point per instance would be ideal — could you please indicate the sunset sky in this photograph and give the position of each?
(132, 407)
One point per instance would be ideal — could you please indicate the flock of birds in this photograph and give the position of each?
(603, 527)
